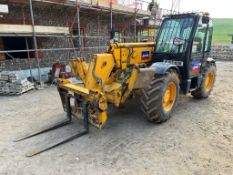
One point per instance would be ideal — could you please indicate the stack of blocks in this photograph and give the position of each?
(11, 84)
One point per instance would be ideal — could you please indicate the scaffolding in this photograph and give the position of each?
(138, 6)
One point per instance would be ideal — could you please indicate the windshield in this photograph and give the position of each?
(174, 30)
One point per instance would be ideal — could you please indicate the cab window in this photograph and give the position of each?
(209, 37)
(198, 42)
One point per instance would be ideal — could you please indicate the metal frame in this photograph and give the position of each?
(35, 41)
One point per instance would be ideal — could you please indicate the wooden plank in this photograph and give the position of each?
(52, 30)
(27, 29)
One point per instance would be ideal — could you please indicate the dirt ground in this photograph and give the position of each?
(198, 139)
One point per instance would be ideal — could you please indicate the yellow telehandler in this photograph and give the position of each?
(158, 72)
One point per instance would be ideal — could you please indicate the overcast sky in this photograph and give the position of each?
(216, 8)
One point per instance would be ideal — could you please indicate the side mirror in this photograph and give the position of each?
(178, 41)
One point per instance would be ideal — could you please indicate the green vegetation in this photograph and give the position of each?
(222, 29)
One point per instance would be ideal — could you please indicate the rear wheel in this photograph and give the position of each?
(159, 99)
(207, 84)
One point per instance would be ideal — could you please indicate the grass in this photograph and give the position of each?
(222, 29)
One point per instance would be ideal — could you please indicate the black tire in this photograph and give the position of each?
(152, 97)
(202, 92)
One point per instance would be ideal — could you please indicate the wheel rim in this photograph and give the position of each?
(169, 97)
(209, 81)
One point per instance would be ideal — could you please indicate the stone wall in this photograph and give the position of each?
(54, 16)
(222, 52)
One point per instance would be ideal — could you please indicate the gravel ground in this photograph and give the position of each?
(198, 139)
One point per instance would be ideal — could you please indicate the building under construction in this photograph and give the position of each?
(35, 34)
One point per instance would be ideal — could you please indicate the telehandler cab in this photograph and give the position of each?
(177, 63)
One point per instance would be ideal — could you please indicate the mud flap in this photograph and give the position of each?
(145, 76)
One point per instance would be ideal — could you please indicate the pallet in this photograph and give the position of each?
(14, 93)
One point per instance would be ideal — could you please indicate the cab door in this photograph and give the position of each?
(201, 47)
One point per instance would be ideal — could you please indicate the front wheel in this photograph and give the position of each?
(159, 99)
(207, 84)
